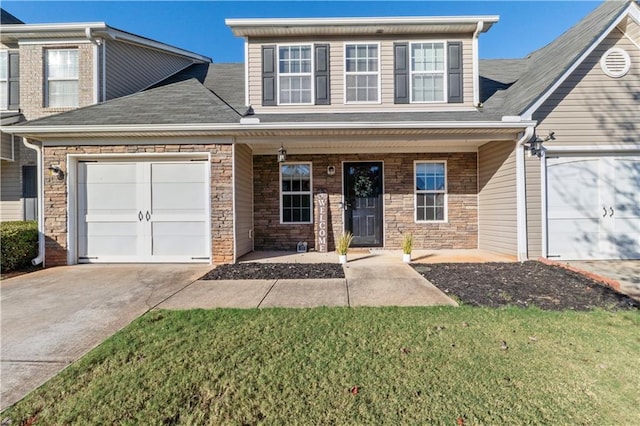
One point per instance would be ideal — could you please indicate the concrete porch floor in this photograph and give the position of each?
(356, 254)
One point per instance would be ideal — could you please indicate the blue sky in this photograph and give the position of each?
(199, 26)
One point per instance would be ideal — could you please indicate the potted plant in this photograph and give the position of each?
(407, 246)
(342, 246)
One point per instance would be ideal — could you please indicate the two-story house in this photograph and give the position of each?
(378, 126)
(51, 68)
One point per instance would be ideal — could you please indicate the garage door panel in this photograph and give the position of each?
(593, 207)
(143, 211)
(179, 239)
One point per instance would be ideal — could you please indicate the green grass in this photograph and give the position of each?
(410, 365)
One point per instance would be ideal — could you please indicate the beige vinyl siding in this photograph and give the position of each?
(336, 46)
(243, 169)
(11, 191)
(591, 108)
(497, 218)
(130, 68)
(632, 29)
(534, 207)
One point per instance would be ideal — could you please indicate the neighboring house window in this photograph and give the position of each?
(62, 78)
(362, 73)
(295, 70)
(9, 80)
(431, 191)
(295, 189)
(427, 72)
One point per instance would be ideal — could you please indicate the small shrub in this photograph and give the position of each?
(343, 242)
(407, 243)
(18, 244)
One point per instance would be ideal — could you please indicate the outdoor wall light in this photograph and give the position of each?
(331, 170)
(535, 146)
(282, 155)
(56, 171)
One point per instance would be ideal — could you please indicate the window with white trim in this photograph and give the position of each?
(62, 78)
(295, 74)
(4, 79)
(431, 191)
(362, 72)
(427, 72)
(295, 193)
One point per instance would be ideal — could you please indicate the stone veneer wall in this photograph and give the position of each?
(460, 232)
(55, 195)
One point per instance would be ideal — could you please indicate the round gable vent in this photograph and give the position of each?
(615, 62)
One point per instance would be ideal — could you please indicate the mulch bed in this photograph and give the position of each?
(274, 271)
(523, 284)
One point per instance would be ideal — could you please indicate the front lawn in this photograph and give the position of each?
(324, 366)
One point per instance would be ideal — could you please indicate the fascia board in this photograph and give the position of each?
(36, 130)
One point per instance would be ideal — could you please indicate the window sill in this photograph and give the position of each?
(430, 221)
(296, 223)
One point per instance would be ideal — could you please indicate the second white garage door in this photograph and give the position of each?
(593, 207)
(143, 211)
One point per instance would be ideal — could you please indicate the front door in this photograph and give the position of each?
(363, 203)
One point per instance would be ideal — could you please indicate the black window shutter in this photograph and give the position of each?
(321, 74)
(401, 73)
(454, 72)
(14, 81)
(269, 85)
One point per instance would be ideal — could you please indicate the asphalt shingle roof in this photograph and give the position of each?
(548, 64)
(214, 93)
(182, 102)
(7, 19)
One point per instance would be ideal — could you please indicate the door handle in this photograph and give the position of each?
(611, 211)
(140, 216)
(605, 211)
(148, 216)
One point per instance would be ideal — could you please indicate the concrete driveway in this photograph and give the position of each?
(51, 318)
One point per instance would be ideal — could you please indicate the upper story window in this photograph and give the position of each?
(62, 78)
(362, 73)
(9, 80)
(427, 72)
(295, 71)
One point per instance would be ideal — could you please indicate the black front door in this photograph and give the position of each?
(363, 203)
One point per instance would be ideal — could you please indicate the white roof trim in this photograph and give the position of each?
(528, 113)
(487, 20)
(33, 130)
(101, 29)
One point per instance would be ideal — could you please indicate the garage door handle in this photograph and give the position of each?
(605, 211)
(148, 216)
(611, 211)
(140, 216)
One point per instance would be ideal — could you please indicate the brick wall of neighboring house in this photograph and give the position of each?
(460, 232)
(33, 78)
(55, 195)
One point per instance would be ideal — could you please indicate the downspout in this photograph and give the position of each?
(38, 149)
(96, 64)
(521, 194)
(475, 67)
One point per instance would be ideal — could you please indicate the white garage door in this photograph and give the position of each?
(143, 212)
(593, 207)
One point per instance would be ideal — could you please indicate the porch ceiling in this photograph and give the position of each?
(377, 144)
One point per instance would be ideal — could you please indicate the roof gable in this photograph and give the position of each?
(549, 66)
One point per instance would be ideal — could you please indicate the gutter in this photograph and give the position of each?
(521, 194)
(155, 128)
(38, 149)
(476, 65)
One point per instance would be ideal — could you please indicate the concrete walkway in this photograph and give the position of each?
(372, 279)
